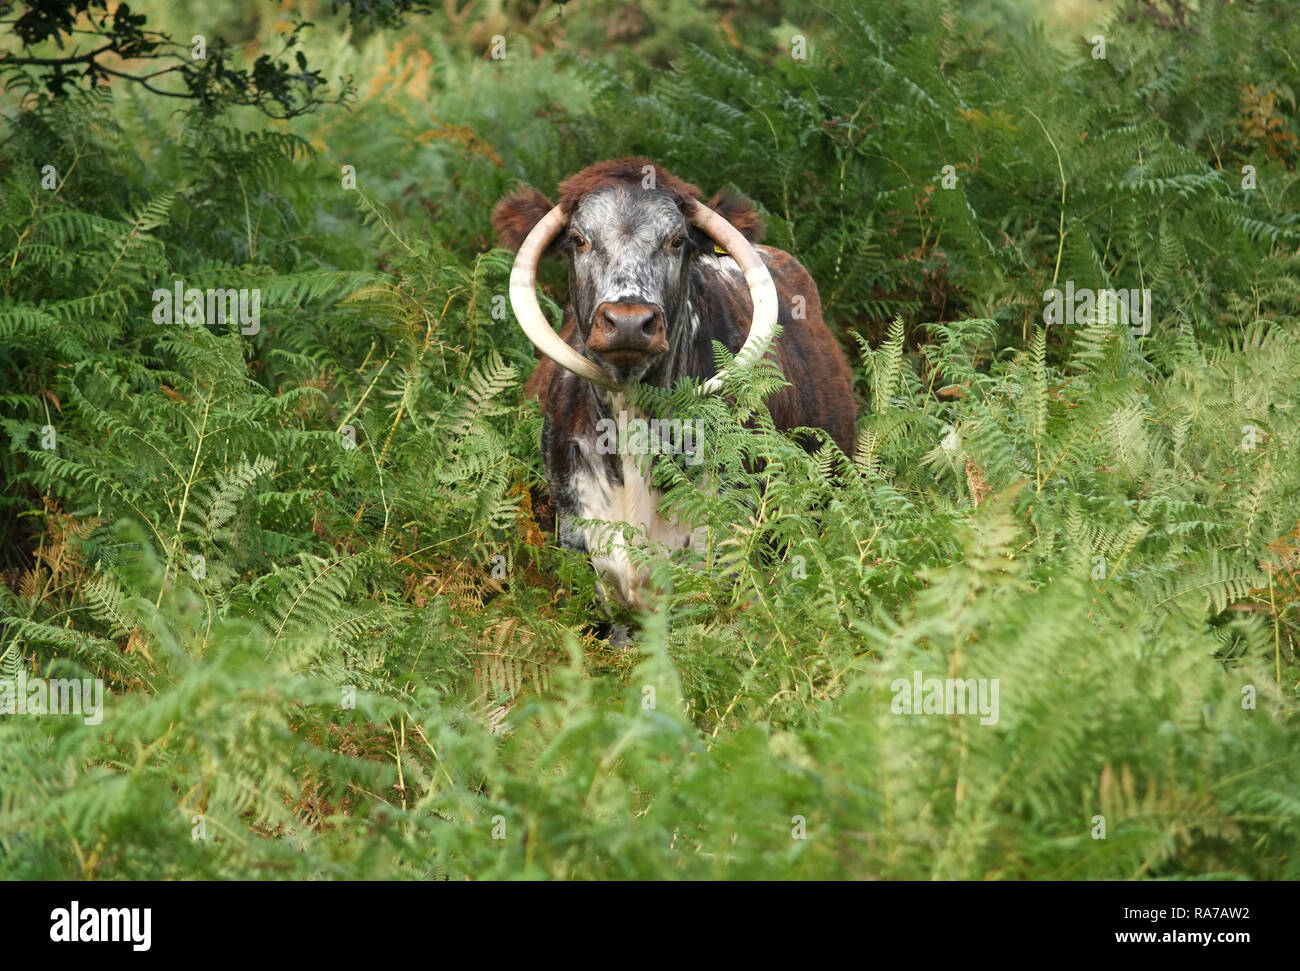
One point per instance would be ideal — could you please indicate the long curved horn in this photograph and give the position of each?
(523, 297)
(761, 289)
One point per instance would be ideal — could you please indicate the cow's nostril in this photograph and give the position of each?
(648, 325)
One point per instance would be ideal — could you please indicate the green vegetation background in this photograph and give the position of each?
(1108, 525)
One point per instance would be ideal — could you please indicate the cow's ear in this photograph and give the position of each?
(515, 216)
(740, 212)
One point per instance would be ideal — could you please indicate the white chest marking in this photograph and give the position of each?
(633, 501)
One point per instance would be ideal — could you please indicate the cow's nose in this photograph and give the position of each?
(628, 329)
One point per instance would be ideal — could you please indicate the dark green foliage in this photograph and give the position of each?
(62, 44)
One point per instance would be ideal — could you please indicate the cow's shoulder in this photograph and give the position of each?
(722, 295)
(819, 392)
(546, 373)
(790, 276)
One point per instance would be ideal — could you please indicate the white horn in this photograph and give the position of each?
(523, 297)
(761, 289)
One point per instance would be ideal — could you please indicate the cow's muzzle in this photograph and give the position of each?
(627, 337)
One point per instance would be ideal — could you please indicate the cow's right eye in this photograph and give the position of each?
(578, 240)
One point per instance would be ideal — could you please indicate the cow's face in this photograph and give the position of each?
(628, 250)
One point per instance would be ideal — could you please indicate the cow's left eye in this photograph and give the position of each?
(677, 242)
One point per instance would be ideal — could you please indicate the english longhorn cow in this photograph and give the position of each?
(655, 277)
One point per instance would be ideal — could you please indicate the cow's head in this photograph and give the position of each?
(628, 231)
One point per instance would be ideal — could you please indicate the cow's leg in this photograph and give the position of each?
(609, 629)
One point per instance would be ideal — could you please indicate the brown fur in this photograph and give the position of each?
(628, 171)
(740, 212)
(515, 216)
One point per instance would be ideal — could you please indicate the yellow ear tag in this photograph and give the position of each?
(719, 250)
